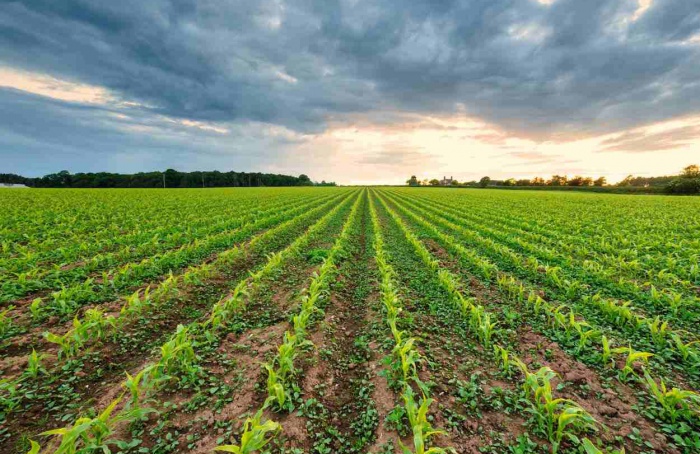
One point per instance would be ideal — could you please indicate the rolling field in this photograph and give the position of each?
(348, 320)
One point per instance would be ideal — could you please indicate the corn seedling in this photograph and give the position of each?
(34, 367)
(558, 418)
(135, 304)
(5, 322)
(36, 308)
(255, 435)
(585, 333)
(10, 396)
(227, 307)
(89, 434)
(570, 420)
(633, 357)
(503, 357)
(407, 358)
(177, 358)
(417, 413)
(659, 330)
(675, 402)
(687, 350)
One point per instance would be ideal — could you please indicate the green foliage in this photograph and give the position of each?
(676, 403)
(255, 436)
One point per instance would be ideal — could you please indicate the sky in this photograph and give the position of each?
(352, 91)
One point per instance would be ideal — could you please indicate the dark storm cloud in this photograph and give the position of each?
(574, 66)
(39, 135)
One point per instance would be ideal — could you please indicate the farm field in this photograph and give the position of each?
(348, 320)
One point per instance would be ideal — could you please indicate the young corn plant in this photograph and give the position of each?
(34, 367)
(481, 325)
(558, 418)
(406, 359)
(37, 309)
(606, 356)
(675, 301)
(422, 429)
(570, 420)
(276, 390)
(197, 275)
(95, 325)
(89, 434)
(585, 333)
(503, 357)
(487, 270)
(486, 329)
(10, 396)
(536, 303)
(687, 351)
(66, 346)
(280, 371)
(135, 304)
(6, 323)
(255, 436)
(139, 387)
(659, 331)
(177, 358)
(557, 318)
(223, 310)
(676, 403)
(167, 289)
(633, 357)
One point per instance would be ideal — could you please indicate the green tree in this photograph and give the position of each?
(434, 182)
(304, 180)
(578, 180)
(692, 171)
(484, 181)
(413, 181)
(602, 181)
(688, 182)
(627, 181)
(558, 180)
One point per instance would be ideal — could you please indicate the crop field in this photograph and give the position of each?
(348, 320)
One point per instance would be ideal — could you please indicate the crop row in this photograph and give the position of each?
(28, 273)
(178, 361)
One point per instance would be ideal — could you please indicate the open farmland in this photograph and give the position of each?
(349, 320)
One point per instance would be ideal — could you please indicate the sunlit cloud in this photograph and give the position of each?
(430, 147)
(642, 6)
(45, 85)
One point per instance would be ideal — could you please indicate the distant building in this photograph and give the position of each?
(12, 185)
(446, 181)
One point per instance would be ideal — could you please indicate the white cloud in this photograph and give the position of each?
(52, 87)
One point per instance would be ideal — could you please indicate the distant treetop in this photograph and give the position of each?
(170, 179)
(687, 182)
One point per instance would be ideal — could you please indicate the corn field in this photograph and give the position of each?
(348, 320)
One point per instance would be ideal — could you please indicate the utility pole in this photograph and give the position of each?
(202, 180)
(163, 180)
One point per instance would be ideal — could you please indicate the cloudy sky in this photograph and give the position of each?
(355, 91)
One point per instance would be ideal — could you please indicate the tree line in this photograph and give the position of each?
(687, 182)
(169, 179)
